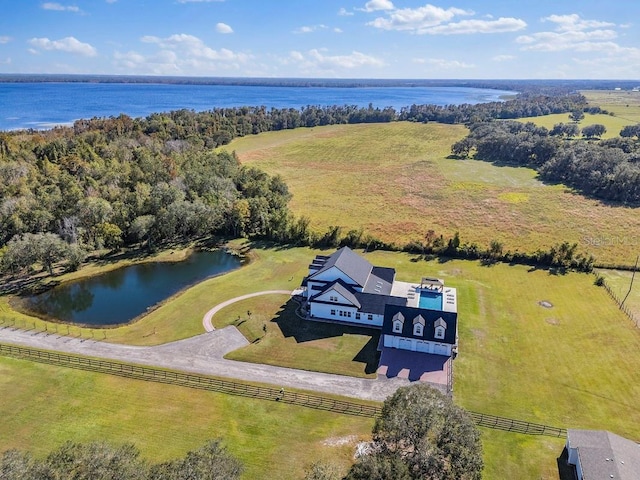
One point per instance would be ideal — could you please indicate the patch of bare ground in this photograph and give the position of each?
(340, 441)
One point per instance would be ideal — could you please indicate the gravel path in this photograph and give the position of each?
(206, 321)
(204, 354)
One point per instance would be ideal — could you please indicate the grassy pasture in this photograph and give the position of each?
(396, 182)
(612, 123)
(624, 104)
(42, 406)
(620, 282)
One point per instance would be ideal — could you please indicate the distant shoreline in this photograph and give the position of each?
(505, 84)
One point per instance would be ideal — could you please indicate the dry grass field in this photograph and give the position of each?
(396, 182)
(613, 123)
(624, 104)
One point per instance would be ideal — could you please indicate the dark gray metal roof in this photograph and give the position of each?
(430, 317)
(350, 263)
(380, 281)
(605, 455)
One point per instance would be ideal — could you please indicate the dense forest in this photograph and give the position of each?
(606, 169)
(118, 181)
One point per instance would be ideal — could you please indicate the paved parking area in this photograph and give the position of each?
(414, 366)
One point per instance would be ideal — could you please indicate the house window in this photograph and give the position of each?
(341, 313)
(397, 327)
(357, 316)
(417, 329)
(333, 312)
(349, 314)
(370, 317)
(439, 332)
(333, 299)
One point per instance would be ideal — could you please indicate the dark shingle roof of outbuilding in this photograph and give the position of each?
(605, 455)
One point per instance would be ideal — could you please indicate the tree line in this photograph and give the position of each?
(605, 169)
(70, 190)
(103, 461)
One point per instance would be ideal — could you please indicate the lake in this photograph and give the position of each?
(121, 295)
(44, 105)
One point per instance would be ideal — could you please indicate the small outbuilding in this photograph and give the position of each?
(602, 455)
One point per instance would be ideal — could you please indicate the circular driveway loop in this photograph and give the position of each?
(206, 321)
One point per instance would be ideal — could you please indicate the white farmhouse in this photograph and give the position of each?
(346, 288)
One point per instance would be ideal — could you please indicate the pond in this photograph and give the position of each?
(122, 295)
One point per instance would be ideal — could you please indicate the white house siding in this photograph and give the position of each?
(415, 345)
(323, 310)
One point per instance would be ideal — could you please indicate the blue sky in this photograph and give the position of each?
(477, 39)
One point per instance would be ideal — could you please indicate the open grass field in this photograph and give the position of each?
(396, 182)
(624, 104)
(620, 282)
(613, 123)
(42, 406)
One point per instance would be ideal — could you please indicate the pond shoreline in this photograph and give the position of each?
(104, 265)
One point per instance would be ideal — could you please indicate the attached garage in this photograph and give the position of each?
(441, 349)
(422, 346)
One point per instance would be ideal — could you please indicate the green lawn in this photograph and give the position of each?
(42, 406)
(396, 182)
(620, 283)
(279, 337)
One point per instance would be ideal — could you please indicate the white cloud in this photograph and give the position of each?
(180, 54)
(442, 64)
(568, 23)
(343, 12)
(579, 36)
(476, 26)
(595, 40)
(316, 60)
(503, 58)
(376, 5)
(417, 19)
(67, 44)
(571, 33)
(310, 28)
(4, 39)
(193, 47)
(337, 30)
(223, 28)
(60, 8)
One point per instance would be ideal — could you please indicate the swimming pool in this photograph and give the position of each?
(430, 300)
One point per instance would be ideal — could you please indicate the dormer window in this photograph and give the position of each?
(418, 326)
(398, 322)
(440, 328)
